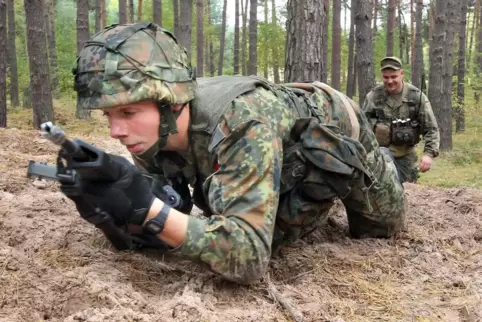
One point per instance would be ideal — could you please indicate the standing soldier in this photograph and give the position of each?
(400, 114)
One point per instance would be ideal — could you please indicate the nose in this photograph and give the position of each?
(118, 129)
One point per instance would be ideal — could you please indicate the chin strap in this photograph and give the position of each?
(167, 126)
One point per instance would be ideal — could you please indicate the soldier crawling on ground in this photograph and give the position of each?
(266, 161)
(399, 114)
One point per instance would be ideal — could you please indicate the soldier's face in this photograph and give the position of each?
(393, 80)
(136, 126)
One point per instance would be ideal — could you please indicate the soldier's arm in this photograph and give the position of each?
(235, 241)
(430, 129)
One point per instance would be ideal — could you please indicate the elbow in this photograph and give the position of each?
(244, 265)
(249, 271)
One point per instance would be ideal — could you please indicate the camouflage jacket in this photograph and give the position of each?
(240, 166)
(379, 107)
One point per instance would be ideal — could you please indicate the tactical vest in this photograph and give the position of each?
(384, 128)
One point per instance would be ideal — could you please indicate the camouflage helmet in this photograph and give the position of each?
(130, 63)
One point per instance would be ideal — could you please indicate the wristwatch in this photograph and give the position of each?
(155, 225)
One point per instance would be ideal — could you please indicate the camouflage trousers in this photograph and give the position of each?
(406, 166)
(374, 208)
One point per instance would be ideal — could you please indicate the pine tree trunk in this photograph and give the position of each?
(304, 38)
(390, 26)
(436, 83)
(38, 63)
(52, 47)
(417, 67)
(82, 23)
(157, 12)
(375, 18)
(97, 25)
(82, 36)
(274, 49)
(222, 39)
(12, 55)
(236, 39)
(122, 11)
(185, 25)
(103, 14)
(175, 13)
(459, 109)
(199, 38)
(336, 45)
(479, 38)
(325, 40)
(364, 49)
(412, 36)
(350, 84)
(400, 32)
(3, 63)
(139, 10)
(131, 10)
(253, 38)
(244, 37)
(266, 41)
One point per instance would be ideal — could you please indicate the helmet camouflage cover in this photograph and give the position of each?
(130, 63)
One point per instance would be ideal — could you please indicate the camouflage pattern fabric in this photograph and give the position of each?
(130, 63)
(381, 108)
(282, 159)
(406, 165)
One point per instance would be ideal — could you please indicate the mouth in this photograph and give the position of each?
(134, 148)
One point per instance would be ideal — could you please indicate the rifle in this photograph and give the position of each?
(80, 160)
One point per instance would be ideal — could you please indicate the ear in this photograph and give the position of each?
(402, 72)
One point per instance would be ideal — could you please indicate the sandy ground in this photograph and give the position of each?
(56, 267)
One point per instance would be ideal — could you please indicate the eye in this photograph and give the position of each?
(128, 113)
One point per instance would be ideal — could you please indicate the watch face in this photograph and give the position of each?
(153, 227)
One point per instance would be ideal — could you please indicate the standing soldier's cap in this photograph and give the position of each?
(391, 63)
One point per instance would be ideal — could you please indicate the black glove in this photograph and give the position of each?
(127, 199)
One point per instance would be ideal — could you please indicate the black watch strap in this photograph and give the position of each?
(156, 225)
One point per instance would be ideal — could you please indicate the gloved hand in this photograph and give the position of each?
(127, 199)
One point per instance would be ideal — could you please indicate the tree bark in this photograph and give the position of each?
(175, 12)
(479, 38)
(52, 47)
(274, 51)
(122, 11)
(82, 36)
(412, 35)
(325, 40)
(131, 11)
(336, 45)
(222, 39)
(103, 14)
(139, 10)
(38, 63)
(12, 55)
(236, 39)
(459, 109)
(304, 37)
(400, 32)
(157, 12)
(390, 26)
(375, 18)
(3, 63)
(199, 38)
(253, 38)
(417, 67)
(436, 81)
(97, 25)
(350, 84)
(82, 23)
(364, 49)
(266, 41)
(244, 41)
(185, 25)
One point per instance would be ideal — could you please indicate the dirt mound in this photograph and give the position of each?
(56, 267)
